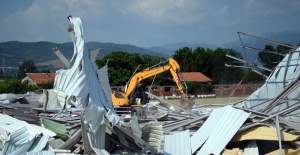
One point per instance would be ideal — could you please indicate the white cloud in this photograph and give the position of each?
(148, 21)
(158, 11)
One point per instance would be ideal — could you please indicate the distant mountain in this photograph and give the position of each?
(15, 52)
(106, 48)
(170, 48)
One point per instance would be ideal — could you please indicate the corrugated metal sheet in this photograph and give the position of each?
(45, 153)
(274, 85)
(11, 124)
(205, 130)
(18, 143)
(89, 86)
(178, 144)
(153, 134)
(101, 152)
(251, 148)
(39, 143)
(59, 129)
(218, 129)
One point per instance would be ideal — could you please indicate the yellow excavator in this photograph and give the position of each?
(134, 92)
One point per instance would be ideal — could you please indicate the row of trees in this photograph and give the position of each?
(212, 64)
(122, 65)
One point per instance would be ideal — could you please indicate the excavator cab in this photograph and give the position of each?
(139, 97)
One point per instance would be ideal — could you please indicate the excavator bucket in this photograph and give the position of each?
(186, 102)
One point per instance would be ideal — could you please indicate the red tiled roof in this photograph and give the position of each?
(195, 77)
(40, 78)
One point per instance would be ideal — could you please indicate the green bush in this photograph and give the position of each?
(15, 86)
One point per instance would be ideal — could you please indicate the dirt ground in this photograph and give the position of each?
(217, 100)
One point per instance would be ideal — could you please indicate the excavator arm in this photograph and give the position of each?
(173, 67)
(122, 99)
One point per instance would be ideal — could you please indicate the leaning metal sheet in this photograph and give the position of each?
(276, 85)
(229, 120)
(81, 81)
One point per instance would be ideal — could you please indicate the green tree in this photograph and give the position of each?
(45, 71)
(122, 65)
(15, 86)
(47, 85)
(222, 74)
(209, 62)
(271, 60)
(27, 67)
(185, 59)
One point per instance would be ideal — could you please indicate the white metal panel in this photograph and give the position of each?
(11, 124)
(205, 130)
(18, 143)
(44, 153)
(274, 84)
(178, 144)
(251, 148)
(229, 120)
(39, 144)
(82, 81)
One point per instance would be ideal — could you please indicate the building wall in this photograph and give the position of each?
(241, 90)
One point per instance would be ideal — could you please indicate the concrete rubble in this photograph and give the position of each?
(77, 117)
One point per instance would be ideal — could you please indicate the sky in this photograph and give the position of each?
(147, 23)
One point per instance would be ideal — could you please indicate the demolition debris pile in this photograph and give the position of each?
(77, 117)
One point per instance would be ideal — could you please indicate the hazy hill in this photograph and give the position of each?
(13, 53)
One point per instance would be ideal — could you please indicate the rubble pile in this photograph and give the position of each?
(77, 117)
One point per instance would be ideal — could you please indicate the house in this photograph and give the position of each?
(38, 78)
(195, 77)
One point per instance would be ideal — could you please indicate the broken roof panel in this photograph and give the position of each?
(178, 144)
(18, 143)
(59, 129)
(11, 124)
(223, 125)
(85, 89)
(39, 144)
(286, 73)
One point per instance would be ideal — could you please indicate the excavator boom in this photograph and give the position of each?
(123, 99)
(173, 67)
